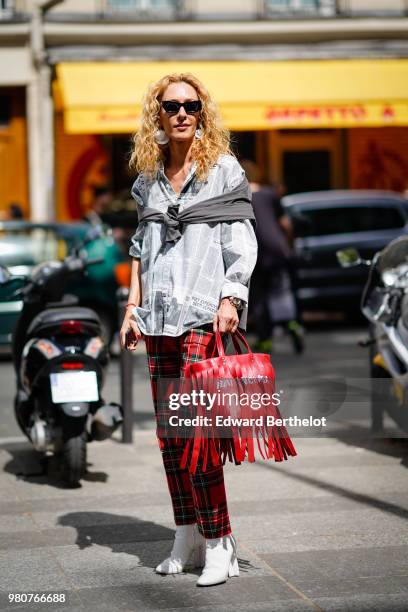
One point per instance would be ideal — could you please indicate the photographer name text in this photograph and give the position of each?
(230, 421)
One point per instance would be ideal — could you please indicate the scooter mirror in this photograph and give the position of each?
(5, 275)
(348, 257)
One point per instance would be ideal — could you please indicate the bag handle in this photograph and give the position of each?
(236, 337)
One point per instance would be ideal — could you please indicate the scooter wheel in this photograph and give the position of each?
(74, 459)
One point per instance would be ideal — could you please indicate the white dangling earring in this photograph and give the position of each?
(161, 137)
(198, 133)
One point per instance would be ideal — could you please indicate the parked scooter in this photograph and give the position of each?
(384, 303)
(60, 362)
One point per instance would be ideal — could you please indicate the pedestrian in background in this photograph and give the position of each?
(16, 212)
(101, 205)
(188, 281)
(272, 295)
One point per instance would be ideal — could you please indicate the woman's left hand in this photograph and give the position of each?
(226, 319)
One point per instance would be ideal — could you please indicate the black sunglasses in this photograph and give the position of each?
(191, 107)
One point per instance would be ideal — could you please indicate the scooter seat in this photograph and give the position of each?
(67, 300)
(49, 318)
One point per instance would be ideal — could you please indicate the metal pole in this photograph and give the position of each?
(126, 374)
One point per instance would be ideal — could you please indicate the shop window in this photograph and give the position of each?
(130, 5)
(5, 110)
(306, 170)
(6, 8)
(323, 7)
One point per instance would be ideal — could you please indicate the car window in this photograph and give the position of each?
(29, 246)
(344, 220)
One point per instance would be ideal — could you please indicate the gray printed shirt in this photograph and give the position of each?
(183, 282)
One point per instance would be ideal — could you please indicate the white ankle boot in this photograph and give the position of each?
(221, 561)
(188, 551)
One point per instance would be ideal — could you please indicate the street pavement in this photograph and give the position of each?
(326, 530)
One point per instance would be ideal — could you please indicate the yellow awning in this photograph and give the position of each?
(105, 97)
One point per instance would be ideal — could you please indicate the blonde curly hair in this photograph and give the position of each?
(146, 153)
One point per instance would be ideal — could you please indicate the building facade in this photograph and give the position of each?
(315, 91)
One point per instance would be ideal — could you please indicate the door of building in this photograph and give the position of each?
(307, 160)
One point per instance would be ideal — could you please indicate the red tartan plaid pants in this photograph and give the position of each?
(196, 498)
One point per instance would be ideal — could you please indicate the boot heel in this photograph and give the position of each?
(233, 569)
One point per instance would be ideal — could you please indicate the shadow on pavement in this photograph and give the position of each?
(115, 531)
(106, 529)
(363, 438)
(360, 498)
(32, 466)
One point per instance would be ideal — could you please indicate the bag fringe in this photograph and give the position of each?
(204, 448)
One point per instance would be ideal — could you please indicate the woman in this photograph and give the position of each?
(188, 280)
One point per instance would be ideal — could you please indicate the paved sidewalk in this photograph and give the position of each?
(325, 531)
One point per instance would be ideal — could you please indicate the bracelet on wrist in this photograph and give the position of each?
(131, 304)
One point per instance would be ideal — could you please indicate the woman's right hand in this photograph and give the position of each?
(130, 333)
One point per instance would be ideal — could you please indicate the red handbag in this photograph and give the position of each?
(233, 381)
